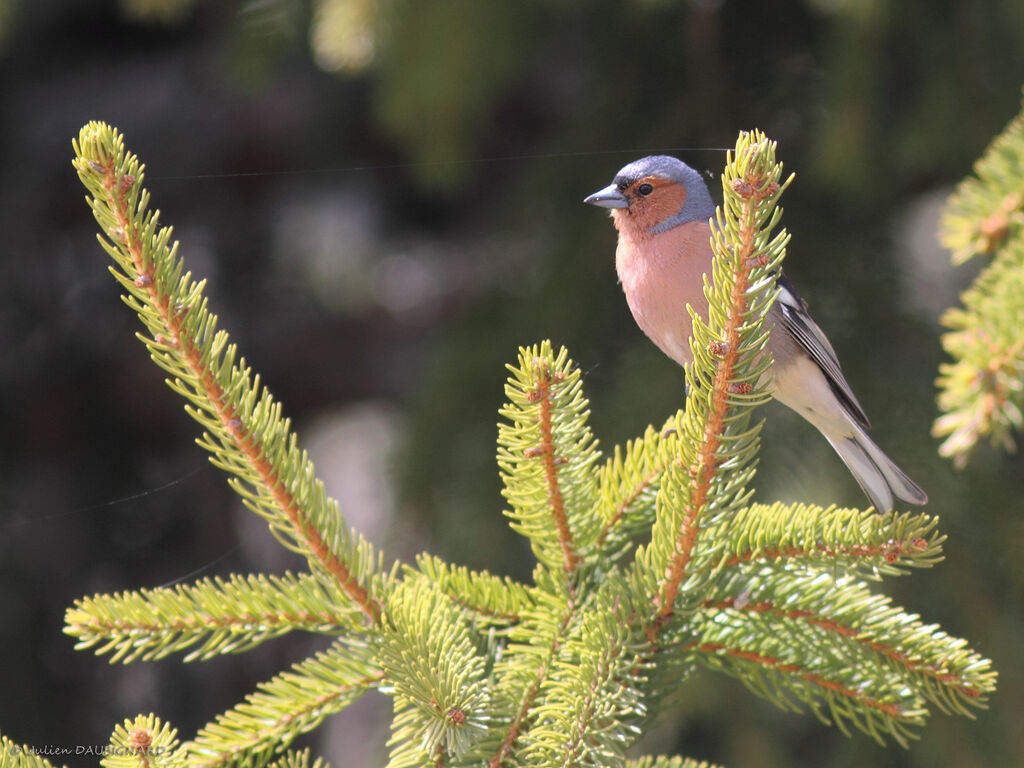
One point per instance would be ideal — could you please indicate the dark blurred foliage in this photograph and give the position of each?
(386, 200)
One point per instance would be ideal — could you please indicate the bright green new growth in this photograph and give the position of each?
(649, 563)
(982, 390)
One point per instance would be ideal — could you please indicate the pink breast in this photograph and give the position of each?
(660, 275)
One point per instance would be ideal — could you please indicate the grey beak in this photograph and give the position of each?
(609, 197)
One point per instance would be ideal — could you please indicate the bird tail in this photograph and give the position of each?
(877, 474)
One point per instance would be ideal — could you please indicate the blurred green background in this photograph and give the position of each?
(385, 197)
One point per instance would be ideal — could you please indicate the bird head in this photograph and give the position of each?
(655, 194)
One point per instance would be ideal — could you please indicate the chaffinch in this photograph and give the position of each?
(661, 208)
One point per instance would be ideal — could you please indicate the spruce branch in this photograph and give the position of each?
(593, 700)
(821, 640)
(217, 615)
(981, 393)
(853, 540)
(546, 453)
(529, 660)
(290, 704)
(245, 431)
(982, 390)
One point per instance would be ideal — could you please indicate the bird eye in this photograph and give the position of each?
(645, 189)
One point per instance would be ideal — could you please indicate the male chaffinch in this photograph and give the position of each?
(661, 208)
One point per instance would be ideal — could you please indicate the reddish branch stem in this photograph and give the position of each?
(891, 551)
(547, 445)
(706, 466)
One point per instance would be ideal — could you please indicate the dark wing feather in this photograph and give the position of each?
(798, 322)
